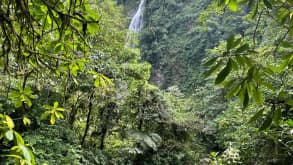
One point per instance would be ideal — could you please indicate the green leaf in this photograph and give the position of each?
(268, 4)
(236, 42)
(211, 70)
(277, 116)
(224, 73)
(56, 104)
(256, 115)
(234, 65)
(26, 121)
(248, 61)
(233, 91)
(26, 153)
(257, 95)
(233, 5)
(240, 60)
(268, 85)
(211, 61)
(45, 115)
(255, 10)
(246, 99)
(9, 122)
(242, 48)
(250, 73)
(52, 119)
(28, 101)
(58, 47)
(59, 115)
(230, 42)
(290, 122)
(221, 2)
(267, 123)
(9, 134)
(18, 138)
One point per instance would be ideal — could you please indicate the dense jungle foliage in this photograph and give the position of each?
(203, 82)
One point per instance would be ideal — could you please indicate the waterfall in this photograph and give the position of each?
(137, 20)
(136, 25)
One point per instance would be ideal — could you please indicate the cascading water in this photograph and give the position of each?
(136, 24)
(137, 20)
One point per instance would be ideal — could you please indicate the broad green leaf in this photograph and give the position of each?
(27, 154)
(234, 65)
(233, 5)
(277, 116)
(221, 2)
(18, 138)
(59, 115)
(211, 61)
(26, 121)
(267, 123)
(230, 42)
(28, 101)
(246, 99)
(233, 91)
(257, 95)
(9, 134)
(60, 109)
(224, 73)
(58, 47)
(289, 102)
(45, 115)
(256, 115)
(268, 85)
(255, 10)
(14, 156)
(56, 104)
(242, 48)
(268, 4)
(211, 70)
(290, 122)
(52, 119)
(240, 60)
(9, 122)
(236, 42)
(247, 60)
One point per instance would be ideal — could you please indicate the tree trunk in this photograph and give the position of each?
(88, 117)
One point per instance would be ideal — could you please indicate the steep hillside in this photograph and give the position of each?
(175, 37)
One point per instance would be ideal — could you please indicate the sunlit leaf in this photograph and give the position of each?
(9, 134)
(9, 122)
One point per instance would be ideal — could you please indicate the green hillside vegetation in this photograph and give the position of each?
(203, 82)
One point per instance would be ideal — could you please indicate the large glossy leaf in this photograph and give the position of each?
(224, 73)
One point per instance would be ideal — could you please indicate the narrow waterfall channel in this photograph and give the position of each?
(135, 25)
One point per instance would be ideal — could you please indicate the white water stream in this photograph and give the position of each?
(136, 23)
